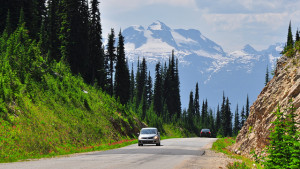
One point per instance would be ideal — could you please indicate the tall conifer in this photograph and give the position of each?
(247, 107)
(157, 98)
(122, 81)
(111, 57)
(197, 106)
(267, 79)
(96, 59)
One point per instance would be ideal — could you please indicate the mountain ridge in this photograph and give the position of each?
(201, 58)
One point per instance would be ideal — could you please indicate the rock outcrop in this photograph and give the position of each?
(284, 86)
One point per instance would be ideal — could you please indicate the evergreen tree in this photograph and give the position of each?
(191, 112)
(297, 36)
(243, 117)
(177, 88)
(290, 41)
(74, 35)
(96, 58)
(171, 88)
(277, 148)
(197, 106)
(211, 122)
(141, 80)
(218, 119)
(53, 25)
(122, 79)
(111, 57)
(237, 125)
(132, 84)
(267, 79)
(143, 104)
(228, 118)
(157, 98)
(223, 117)
(247, 107)
(149, 90)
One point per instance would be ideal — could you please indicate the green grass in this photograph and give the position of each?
(221, 146)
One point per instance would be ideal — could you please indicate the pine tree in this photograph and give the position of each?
(223, 116)
(96, 58)
(191, 108)
(149, 90)
(122, 79)
(132, 84)
(197, 106)
(111, 57)
(157, 98)
(277, 149)
(243, 117)
(297, 36)
(141, 81)
(236, 127)
(53, 25)
(267, 79)
(247, 107)
(218, 119)
(228, 119)
(290, 41)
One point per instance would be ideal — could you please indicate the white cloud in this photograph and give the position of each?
(187, 3)
(231, 22)
(121, 5)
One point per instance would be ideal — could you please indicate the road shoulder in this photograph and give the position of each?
(209, 160)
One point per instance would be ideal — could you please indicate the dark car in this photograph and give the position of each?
(205, 133)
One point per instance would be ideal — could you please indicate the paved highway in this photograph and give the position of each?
(172, 153)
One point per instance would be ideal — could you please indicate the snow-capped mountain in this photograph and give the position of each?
(202, 60)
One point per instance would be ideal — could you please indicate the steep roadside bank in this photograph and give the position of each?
(284, 86)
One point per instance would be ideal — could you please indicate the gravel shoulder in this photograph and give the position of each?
(210, 160)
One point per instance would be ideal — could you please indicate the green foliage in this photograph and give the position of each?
(284, 150)
(237, 165)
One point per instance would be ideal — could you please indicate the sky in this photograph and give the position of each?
(230, 23)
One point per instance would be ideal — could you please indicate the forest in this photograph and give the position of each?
(69, 32)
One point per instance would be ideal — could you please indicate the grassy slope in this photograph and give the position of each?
(46, 111)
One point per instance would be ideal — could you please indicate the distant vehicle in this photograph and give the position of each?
(205, 133)
(149, 136)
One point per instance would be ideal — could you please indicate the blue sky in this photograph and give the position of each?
(230, 23)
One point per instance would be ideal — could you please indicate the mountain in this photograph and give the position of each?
(202, 60)
(284, 86)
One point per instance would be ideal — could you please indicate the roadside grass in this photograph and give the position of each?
(222, 144)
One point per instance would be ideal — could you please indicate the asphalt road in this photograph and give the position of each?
(172, 153)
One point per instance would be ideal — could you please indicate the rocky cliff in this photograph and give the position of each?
(284, 86)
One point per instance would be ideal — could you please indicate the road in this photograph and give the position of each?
(172, 153)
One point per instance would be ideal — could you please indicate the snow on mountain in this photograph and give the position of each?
(202, 60)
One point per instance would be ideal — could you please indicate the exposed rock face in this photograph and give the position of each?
(284, 86)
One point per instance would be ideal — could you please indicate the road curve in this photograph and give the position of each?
(171, 154)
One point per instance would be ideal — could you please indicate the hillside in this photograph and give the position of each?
(284, 86)
(45, 110)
